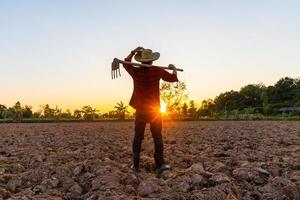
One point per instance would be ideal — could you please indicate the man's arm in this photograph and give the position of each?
(166, 76)
(130, 68)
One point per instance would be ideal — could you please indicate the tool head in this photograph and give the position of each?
(115, 64)
(115, 68)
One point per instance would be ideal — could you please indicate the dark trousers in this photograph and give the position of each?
(142, 118)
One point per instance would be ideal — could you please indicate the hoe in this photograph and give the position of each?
(115, 67)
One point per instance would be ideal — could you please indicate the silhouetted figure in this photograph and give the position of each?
(146, 100)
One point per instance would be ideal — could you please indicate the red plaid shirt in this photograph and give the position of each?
(146, 85)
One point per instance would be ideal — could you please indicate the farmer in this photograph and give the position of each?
(145, 99)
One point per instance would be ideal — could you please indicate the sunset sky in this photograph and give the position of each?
(60, 51)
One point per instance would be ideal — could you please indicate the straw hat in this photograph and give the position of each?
(146, 56)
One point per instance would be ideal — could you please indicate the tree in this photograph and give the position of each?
(285, 93)
(286, 90)
(3, 111)
(251, 95)
(37, 114)
(184, 109)
(173, 94)
(27, 112)
(297, 96)
(121, 110)
(77, 114)
(66, 115)
(228, 101)
(16, 112)
(57, 112)
(192, 111)
(265, 102)
(207, 108)
(113, 114)
(89, 113)
(105, 115)
(48, 112)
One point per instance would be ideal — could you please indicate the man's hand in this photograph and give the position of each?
(171, 66)
(138, 49)
(133, 52)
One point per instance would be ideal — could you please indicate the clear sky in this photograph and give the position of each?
(60, 51)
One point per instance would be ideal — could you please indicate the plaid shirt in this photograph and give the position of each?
(146, 85)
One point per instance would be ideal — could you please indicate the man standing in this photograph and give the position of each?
(146, 100)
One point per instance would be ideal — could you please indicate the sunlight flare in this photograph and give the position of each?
(163, 107)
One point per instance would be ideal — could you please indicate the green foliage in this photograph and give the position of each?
(89, 113)
(27, 112)
(48, 112)
(192, 111)
(251, 102)
(251, 95)
(3, 111)
(37, 114)
(66, 115)
(254, 99)
(207, 108)
(173, 95)
(16, 112)
(120, 110)
(77, 114)
(184, 109)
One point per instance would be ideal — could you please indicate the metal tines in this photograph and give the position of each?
(115, 68)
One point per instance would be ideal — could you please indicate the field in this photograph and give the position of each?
(210, 161)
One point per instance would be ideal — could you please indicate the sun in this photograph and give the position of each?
(163, 107)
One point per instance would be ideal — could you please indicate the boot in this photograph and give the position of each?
(136, 162)
(160, 164)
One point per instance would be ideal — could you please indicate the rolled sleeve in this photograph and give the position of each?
(169, 77)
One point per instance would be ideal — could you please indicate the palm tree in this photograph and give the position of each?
(121, 110)
(89, 113)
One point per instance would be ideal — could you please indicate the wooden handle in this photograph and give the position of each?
(145, 65)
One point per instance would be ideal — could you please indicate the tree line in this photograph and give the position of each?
(250, 100)
(18, 112)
